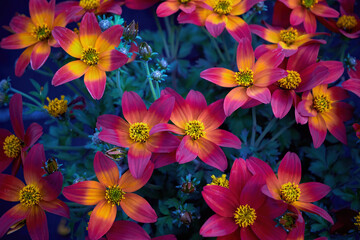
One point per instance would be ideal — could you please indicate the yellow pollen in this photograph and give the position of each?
(12, 146)
(346, 22)
(309, 3)
(244, 78)
(321, 103)
(90, 56)
(114, 195)
(357, 221)
(56, 107)
(195, 129)
(290, 192)
(139, 132)
(41, 32)
(89, 4)
(289, 36)
(223, 7)
(184, 1)
(245, 216)
(29, 195)
(291, 81)
(220, 181)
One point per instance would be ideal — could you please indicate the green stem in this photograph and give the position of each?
(149, 80)
(343, 50)
(157, 89)
(28, 97)
(77, 130)
(167, 52)
(225, 47)
(266, 130)
(253, 130)
(72, 88)
(45, 73)
(118, 81)
(278, 134)
(213, 41)
(71, 148)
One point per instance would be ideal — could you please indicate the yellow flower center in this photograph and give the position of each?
(90, 56)
(29, 195)
(195, 129)
(12, 146)
(220, 181)
(139, 132)
(346, 22)
(184, 1)
(291, 81)
(41, 32)
(114, 195)
(290, 192)
(56, 107)
(223, 7)
(321, 103)
(244, 78)
(309, 3)
(357, 221)
(288, 220)
(245, 216)
(289, 36)
(89, 4)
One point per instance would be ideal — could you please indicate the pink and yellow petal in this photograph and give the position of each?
(101, 219)
(223, 138)
(113, 122)
(39, 54)
(42, 12)
(167, 8)
(266, 34)
(217, 226)
(236, 98)
(317, 127)
(36, 223)
(116, 137)
(106, 170)
(213, 115)
(187, 151)
(160, 111)
(89, 30)
(21, 23)
(269, 76)
(85, 193)
(138, 209)
(10, 187)
(95, 81)
(290, 169)
(323, 10)
(313, 191)
(133, 107)
(211, 154)
(69, 72)
(269, 60)
(241, 7)
(196, 102)
(69, 41)
(335, 125)
(245, 57)
(109, 39)
(15, 110)
(18, 40)
(23, 61)
(215, 24)
(130, 184)
(55, 206)
(311, 208)
(261, 94)
(220, 76)
(162, 142)
(220, 199)
(111, 60)
(238, 28)
(138, 158)
(12, 216)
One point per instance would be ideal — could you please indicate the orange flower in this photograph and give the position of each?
(34, 34)
(95, 52)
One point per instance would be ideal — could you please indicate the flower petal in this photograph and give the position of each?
(297, 16)
(197, 103)
(220, 76)
(15, 110)
(39, 54)
(127, 230)
(215, 24)
(18, 40)
(89, 30)
(281, 102)
(116, 137)
(290, 169)
(266, 34)
(223, 138)
(12, 216)
(42, 12)
(336, 70)
(32, 134)
(313, 191)
(162, 142)
(261, 94)
(217, 226)
(305, 56)
(269, 60)
(138, 158)
(163, 159)
(36, 223)
(251, 193)
(35, 159)
(113, 122)
(237, 28)
(335, 125)
(246, 233)
(324, 11)
(69, 72)
(311, 208)
(239, 175)
(181, 112)
(220, 199)
(312, 76)
(112, 60)
(85, 193)
(236, 98)
(138, 209)
(95, 81)
(265, 228)
(21, 23)
(269, 76)
(109, 39)
(23, 61)
(55, 206)
(245, 57)
(133, 107)
(160, 111)
(213, 115)
(106, 170)
(211, 154)
(317, 127)
(187, 150)
(68, 40)
(310, 22)
(167, 8)
(51, 185)
(130, 184)
(352, 85)
(10, 187)
(101, 219)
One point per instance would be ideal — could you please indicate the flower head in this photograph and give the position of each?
(170, 7)
(110, 192)
(95, 51)
(13, 147)
(34, 34)
(56, 107)
(38, 194)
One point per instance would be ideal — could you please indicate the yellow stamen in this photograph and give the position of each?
(309, 3)
(289, 36)
(220, 181)
(195, 129)
(291, 81)
(184, 1)
(114, 195)
(90, 56)
(41, 32)
(12, 146)
(30, 195)
(290, 192)
(321, 103)
(357, 221)
(244, 78)
(56, 107)
(89, 4)
(223, 7)
(245, 216)
(346, 22)
(139, 132)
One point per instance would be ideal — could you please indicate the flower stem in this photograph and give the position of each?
(167, 52)
(28, 97)
(149, 80)
(215, 45)
(266, 130)
(253, 130)
(171, 36)
(45, 73)
(71, 148)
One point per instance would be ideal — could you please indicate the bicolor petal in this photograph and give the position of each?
(317, 127)
(18, 40)
(236, 98)
(106, 170)
(101, 219)
(213, 115)
(138, 209)
(211, 154)
(109, 39)
(138, 158)
(160, 111)
(112, 60)
(95, 81)
(239, 175)
(220, 76)
(223, 138)
(23, 61)
(290, 169)
(39, 54)
(261, 94)
(238, 28)
(69, 72)
(89, 30)
(69, 41)
(217, 226)
(215, 24)
(220, 199)
(130, 184)
(85, 193)
(167, 8)
(313, 191)
(36, 223)
(281, 102)
(311, 208)
(133, 107)
(55, 206)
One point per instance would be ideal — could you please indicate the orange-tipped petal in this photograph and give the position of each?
(138, 209)
(12, 216)
(21, 23)
(130, 184)
(18, 40)
(238, 28)
(101, 219)
(313, 191)
(220, 76)
(245, 57)
(109, 39)
(39, 54)
(55, 206)
(318, 130)
(215, 24)
(89, 30)
(95, 81)
(290, 169)
(23, 61)
(311, 208)
(69, 41)
(167, 8)
(211, 154)
(133, 107)
(261, 94)
(106, 170)
(36, 223)
(15, 110)
(10, 187)
(69, 72)
(42, 12)
(85, 193)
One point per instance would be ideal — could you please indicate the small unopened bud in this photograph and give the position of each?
(288, 220)
(116, 153)
(163, 64)
(186, 218)
(130, 31)
(95, 139)
(51, 165)
(4, 85)
(16, 226)
(145, 51)
(104, 24)
(63, 229)
(188, 187)
(157, 75)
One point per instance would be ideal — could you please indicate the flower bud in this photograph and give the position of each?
(51, 165)
(188, 187)
(4, 85)
(288, 220)
(186, 218)
(145, 51)
(116, 153)
(104, 24)
(130, 31)
(157, 75)
(163, 64)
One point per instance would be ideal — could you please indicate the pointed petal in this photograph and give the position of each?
(239, 175)
(130, 184)
(21, 23)
(261, 94)
(23, 61)
(246, 233)
(42, 12)
(336, 70)
(352, 85)
(133, 107)
(113, 122)
(220, 200)
(269, 60)
(197, 103)
(69, 72)
(10, 187)
(243, 6)
(251, 193)
(324, 11)
(262, 49)
(215, 24)
(15, 110)
(85, 193)
(116, 137)
(164, 127)
(310, 22)
(265, 228)
(245, 57)
(112, 60)
(297, 16)
(167, 8)
(266, 34)
(160, 111)
(163, 159)
(138, 158)
(18, 40)
(313, 191)
(109, 39)
(181, 112)
(12, 216)
(220, 76)
(305, 56)
(335, 125)
(69, 41)
(238, 28)
(162, 142)
(56, 206)
(217, 226)
(290, 169)
(281, 102)
(187, 150)
(311, 208)
(127, 230)
(33, 133)
(211, 154)
(337, 94)
(312, 76)
(317, 127)
(235, 99)
(89, 30)
(138, 209)
(213, 115)
(51, 185)
(39, 54)
(36, 223)
(223, 138)
(269, 76)
(35, 159)
(95, 81)
(101, 219)
(106, 170)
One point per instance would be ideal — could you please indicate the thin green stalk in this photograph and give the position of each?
(149, 80)
(253, 130)
(118, 81)
(45, 73)
(278, 134)
(171, 36)
(227, 54)
(72, 88)
(28, 97)
(77, 130)
(177, 43)
(343, 50)
(266, 130)
(157, 89)
(213, 41)
(71, 148)
(167, 52)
